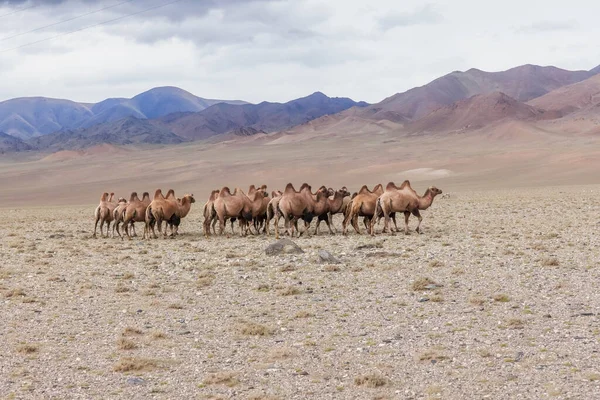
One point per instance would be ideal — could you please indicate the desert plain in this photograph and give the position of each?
(496, 299)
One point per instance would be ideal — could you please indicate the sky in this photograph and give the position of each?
(279, 50)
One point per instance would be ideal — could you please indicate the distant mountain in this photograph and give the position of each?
(475, 112)
(11, 144)
(522, 83)
(125, 131)
(269, 117)
(36, 116)
(571, 98)
(246, 131)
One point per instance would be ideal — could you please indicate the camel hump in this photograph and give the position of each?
(391, 186)
(133, 197)
(289, 188)
(274, 194)
(364, 190)
(405, 184)
(158, 194)
(379, 186)
(305, 186)
(263, 187)
(251, 189)
(104, 196)
(224, 192)
(353, 195)
(146, 195)
(170, 194)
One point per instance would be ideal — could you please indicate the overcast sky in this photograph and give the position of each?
(278, 50)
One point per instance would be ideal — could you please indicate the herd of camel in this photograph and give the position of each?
(255, 209)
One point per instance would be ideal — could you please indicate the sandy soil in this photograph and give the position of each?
(511, 309)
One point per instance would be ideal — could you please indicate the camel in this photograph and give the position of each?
(362, 205)
(118, 214)
(335, 204)
(300, 204)
(184, 205)
(236, 205)
(272, 210)
(404, 199)
(135, 212)
(160, 209)
(104, 213)
(210, 213)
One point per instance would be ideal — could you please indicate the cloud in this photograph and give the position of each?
(424, 15)
(548, 26)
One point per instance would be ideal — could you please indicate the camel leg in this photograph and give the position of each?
(417, 214)
(330, 224)
(355, 223)
(95, 227)
(133, 228)
(393, 215)
(317, 226)
(116, 226)
(214, 225)
(406, 216)
(222, 226)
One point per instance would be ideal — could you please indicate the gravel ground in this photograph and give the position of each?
(497, 299)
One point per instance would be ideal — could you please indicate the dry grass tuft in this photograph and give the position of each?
(477, 300)
(226, 378)
(126, 344)
(331, 268)
(15, 293)
(432, 354)
(289, 291)
(28, 348)
(515, 323)
(436, 264)
(129, 364)
(130, 331)
(157, 335)
(501, 298)
(373, 380)
(281, 353)
(550, 262)
(304, 314)
(287, 268)
(205, 278)
(254, 329)
(422, 283)
(176, 306)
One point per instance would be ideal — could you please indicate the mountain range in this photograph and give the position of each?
(459, 101)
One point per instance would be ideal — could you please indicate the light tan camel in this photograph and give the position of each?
(236, 205)
(403, 199)
(363, 205)
(135, 212)
(209, 213)
(299, 205)
(273, 210)
(118, 214)
(104, 213)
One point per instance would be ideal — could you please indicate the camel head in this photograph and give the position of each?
(276, 193)
(122, 200)
(189, 197)
(344, 191)
(434, 191)
(330, 192)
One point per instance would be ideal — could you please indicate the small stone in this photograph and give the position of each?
(327, 257)
(135, 381)
(423, 299)
(283, 246)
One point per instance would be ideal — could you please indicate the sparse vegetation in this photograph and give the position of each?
(226, 378)
(423, 283)
(135, 364)
(373, 380)
(254, 329)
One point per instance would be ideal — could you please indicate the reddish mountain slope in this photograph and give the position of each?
(573, 97)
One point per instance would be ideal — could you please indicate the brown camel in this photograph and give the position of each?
(362, 205)
(184, 205)
(160, 209)
(335, 204)
(104, 213)
(135, 212)
(300, 205)
(404, 199)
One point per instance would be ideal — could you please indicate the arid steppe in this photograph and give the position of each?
(496, 299)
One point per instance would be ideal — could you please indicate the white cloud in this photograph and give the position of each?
(282, 49)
